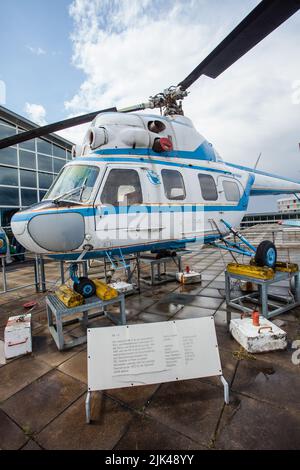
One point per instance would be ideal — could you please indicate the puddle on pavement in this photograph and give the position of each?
(177, 299)
(169, 307)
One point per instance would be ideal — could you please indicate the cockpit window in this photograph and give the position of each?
(81, 177)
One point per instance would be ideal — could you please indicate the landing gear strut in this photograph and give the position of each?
(82, 285)
(264, 255)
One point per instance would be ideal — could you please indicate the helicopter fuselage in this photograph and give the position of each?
(141, 182)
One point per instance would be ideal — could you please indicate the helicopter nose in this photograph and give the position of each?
(19, 228)
(53, 232)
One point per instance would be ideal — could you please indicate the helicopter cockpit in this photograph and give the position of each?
(75, 184)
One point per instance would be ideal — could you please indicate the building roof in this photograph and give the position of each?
(16, 119)
(270, 214)
(290, 198)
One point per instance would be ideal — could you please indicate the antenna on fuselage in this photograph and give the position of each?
(257, 161)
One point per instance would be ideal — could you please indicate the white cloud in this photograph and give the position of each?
(36, 113)
(131, 49)
(36, 50)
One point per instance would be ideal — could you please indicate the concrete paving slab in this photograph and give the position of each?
(76, 366)
(134, 397)
(217, 284)
(221, 318)
(290, 316)
(282, 358)
(164, 308)
(40, 402)
(192, 289)
(253, 425)
(208, 277)
(193, 312)
(190, 407)
(225, 340)
(145, 433)
(31, 445)
(207, 302)
(11, 436)
(152, 317)
(268, 382)
(70, 431)
(229, 365)
(210, 292)
(45, 349)
(19, 373)
(131, 312)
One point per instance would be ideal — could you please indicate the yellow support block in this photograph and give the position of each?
(103, 291)
(286, 267)
(68, 297)
(257, 272)
(282, 266)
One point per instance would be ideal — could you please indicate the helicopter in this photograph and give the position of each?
(151, 182)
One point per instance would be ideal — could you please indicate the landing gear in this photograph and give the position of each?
(82, 285)
(266, 254)
(85, 287)
(164, 254)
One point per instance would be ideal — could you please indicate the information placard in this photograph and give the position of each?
(132, 355)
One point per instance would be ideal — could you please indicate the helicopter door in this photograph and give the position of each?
(172, 213)
(118, 207)
(230, 193)
(211, 216)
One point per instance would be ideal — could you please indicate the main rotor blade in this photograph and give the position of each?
(261, 21)
(65, 124)
(49, 128)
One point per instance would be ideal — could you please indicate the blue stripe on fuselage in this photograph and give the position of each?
(170, 245)
(156, 162)
(205, 151)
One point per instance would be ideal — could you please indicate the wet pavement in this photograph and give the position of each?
(42, 395)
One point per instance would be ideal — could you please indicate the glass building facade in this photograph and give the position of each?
(27, 169)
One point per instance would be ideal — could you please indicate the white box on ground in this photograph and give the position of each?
(190, 277)
(17, 336)
(122, 287)
(255, 339)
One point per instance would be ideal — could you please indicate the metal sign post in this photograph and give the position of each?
(152, 353)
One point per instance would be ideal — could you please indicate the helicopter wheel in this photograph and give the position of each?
(85, 287)
(266, 254)
(165, 254)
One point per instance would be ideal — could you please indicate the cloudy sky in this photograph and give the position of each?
(61, 58)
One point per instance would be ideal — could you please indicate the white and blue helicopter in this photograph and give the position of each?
(150, 182)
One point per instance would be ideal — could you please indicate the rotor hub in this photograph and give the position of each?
(169, 101)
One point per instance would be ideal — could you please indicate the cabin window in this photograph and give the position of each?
(173, 184)
(232, 192)
(122, 187)
(208, 187)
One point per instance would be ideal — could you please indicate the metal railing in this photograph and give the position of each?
(41, 281)
(5, 274)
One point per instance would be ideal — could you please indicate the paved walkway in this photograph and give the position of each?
(42, 395)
